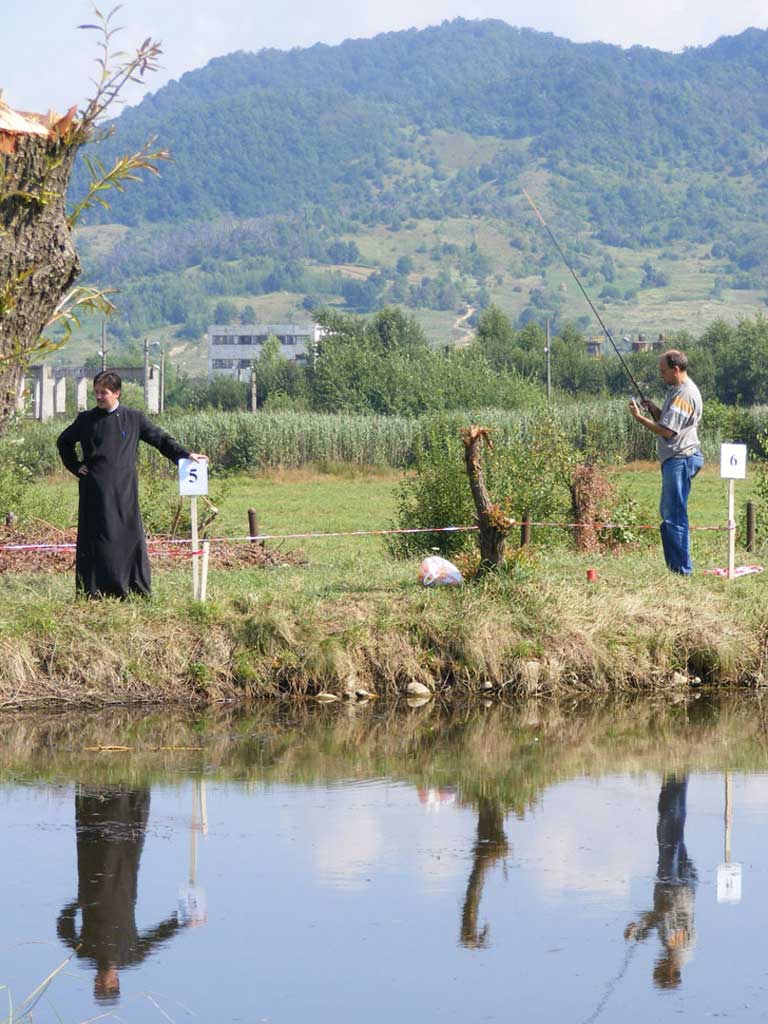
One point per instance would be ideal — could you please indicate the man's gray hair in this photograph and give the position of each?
(675, 357)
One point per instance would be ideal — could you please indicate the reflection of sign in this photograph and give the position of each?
(193, 907)
(436, 797)
(193, 477)
(729, 883)
(733, 461)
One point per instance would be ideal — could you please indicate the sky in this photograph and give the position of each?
(47, 63)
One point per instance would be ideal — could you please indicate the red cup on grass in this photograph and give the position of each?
(591, 575)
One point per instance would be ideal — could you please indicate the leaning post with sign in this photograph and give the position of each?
(193, 481)
(733, 466)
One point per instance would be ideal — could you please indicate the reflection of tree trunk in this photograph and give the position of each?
(38, 262)
(490, 846)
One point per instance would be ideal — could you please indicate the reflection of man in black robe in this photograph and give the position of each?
(674, 891)
(491, 844)
(111, 558)
(111, 825)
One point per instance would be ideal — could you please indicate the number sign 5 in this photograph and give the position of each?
(193, 477)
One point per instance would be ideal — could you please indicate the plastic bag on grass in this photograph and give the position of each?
(437, 572)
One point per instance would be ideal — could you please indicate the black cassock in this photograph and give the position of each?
(111, 825)
(111, 556)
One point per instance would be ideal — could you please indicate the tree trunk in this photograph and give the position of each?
(493, 524)
(38, 261)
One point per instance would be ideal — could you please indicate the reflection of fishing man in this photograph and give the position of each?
(490, 846)
(674, 891)
(111, 825)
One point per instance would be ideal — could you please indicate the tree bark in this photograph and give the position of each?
(38, 260)
(493, 524)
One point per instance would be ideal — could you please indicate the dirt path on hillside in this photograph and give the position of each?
(467, 333)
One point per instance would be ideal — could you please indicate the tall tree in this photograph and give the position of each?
(38, 260)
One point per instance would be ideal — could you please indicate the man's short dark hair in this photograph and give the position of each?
(676, 358)
(108, 379)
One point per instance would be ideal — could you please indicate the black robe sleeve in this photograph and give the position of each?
(66, 442)
(165, 444)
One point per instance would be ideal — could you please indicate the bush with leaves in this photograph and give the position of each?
(527, 473)
(759, 470)
(437, 495)
(532, 471)
(15, 477)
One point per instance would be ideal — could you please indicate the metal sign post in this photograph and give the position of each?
(733, 466)
(193, 481)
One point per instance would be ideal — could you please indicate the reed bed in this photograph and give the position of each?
(242, 441)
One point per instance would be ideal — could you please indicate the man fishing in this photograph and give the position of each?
(674, 425)
(679, 451)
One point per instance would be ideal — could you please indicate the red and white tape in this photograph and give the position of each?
(319, 535)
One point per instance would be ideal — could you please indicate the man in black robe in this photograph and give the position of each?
(111, 825)
(111, 559)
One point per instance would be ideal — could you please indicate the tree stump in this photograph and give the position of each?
(493, 524)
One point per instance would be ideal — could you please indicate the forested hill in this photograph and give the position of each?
(644, 146)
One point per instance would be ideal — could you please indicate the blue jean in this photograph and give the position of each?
(676, 476)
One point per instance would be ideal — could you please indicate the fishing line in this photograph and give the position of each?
(584, 293)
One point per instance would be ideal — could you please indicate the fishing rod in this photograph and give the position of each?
(584, 293)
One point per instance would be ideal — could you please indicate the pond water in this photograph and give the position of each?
(541, 863)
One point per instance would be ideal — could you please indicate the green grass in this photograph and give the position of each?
(349, 616)
(345, 498)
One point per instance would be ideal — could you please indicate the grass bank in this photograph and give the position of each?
(351, 619)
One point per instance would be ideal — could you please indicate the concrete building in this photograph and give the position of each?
(48, 386)
(594, 346)
(232, 348)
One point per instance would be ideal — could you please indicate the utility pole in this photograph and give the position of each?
(162, 380)
(103, 345)
(254, 404)
(146, 373)
(548, 352)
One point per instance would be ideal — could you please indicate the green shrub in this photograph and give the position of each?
(438, 495)
(525, 474)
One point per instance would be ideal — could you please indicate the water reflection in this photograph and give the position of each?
(558, 825)
(672, 916)
(111, 826)
(490, 846)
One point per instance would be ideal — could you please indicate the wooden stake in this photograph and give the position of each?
(204, 580)
(253, 526)
(525, 531)
(750, 526)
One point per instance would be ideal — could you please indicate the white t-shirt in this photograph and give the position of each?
(681, 412)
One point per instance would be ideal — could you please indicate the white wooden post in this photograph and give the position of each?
(733, 466)
(195, 563)
(193, 480)
(731, 533)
